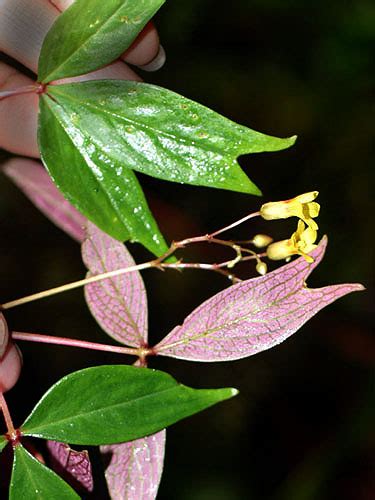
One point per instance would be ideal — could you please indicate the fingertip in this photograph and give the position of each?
(157, 63)
(144, 48)
(10, 367)
(18, 115)
(23, 26)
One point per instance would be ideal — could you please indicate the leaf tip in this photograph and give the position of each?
(257, 191)
(248, 187)
(357, 287)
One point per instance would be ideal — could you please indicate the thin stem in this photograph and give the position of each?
(156, 263)
(12, 433)
(48, 339)
(217, 268)
(255, 256)
(211, 237)
(237, 223)
(147, 265)
(28, 89)
(75, 284)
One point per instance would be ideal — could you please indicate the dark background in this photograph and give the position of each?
(302, 426)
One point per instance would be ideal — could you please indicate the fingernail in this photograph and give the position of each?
(157, 62)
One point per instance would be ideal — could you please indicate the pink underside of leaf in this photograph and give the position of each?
(118, 304)
(35, 183)
(135, 468)
(253, 315)
(73, 466)
(4, 335)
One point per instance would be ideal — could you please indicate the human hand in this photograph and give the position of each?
(23, 26)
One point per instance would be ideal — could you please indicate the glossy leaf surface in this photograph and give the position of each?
(4, 335)
(135, 468)
(107, 194)
(157, 132)
(253, 315)
(37, 185)
(118, 304)
(33, 480)
(74, 466)
(114, 404)
(91, 34)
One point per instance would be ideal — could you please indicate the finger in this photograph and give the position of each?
(143, 50)
(10, 367)
(116, 71)
(18, 115)
(146, 49)
(24, 25)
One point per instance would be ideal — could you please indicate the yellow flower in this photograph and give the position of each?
(300, 243)
(301, 206)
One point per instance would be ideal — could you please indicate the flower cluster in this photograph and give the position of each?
(302, 241)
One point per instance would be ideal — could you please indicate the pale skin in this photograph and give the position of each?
(23, 25)
(18, 114)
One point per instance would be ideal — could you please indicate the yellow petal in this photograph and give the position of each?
(307, 258)
(311, 223)
(300, 229)
(309, 236)
(314, 209)
(307, 197)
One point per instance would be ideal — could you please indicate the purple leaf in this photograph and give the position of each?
(253, 315)
(135, 467)
(4, 335)
(36, 184)
(118, 304)
(73, 466)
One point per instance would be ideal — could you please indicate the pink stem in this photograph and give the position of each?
(234, 224)
(157, 263)
(12, 433)
(28, 89)
(48, 339)
(211, 237)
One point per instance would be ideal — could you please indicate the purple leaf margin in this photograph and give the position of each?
(74, 466)
(135, 468)
(33, 180)
(118, 304)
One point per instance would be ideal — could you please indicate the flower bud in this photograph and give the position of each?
(261, 268)
(261, 240)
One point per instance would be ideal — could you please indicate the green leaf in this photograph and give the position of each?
(160, 133)
(3, 442)
(114, 404)
(33, 480)
(106, 193)
(91, 34)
